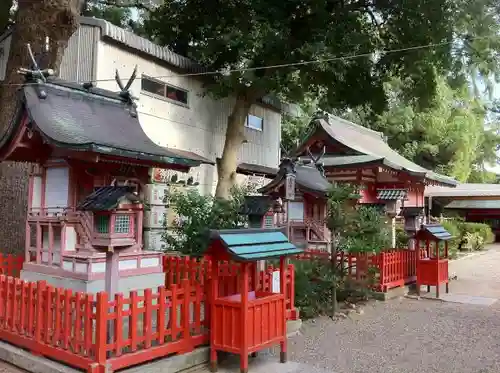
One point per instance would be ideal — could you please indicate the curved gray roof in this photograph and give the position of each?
(371, 144)
(69, 116)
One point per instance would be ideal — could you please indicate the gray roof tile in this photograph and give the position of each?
(107, 198)
(370, 143)
(392, 194)
(96, 120)
(307, 177)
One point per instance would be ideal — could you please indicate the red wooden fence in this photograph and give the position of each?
(395, 267)
(199, 271)
(94, 333)
(11, 265)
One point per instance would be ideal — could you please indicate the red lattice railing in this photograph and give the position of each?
(395, 267)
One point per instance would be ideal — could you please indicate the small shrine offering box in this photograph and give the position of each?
(248, 321)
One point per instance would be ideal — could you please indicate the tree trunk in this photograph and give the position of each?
(35, 20)
(334, 269)
(235, 136)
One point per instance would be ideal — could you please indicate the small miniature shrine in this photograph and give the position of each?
(304, 190)
(90, 161)
(432, 268)
(259, 210)
(258, 318)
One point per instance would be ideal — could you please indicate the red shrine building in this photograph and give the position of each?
(89, 164)
(340, 151)
(359, 155)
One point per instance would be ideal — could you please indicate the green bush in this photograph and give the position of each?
(401, 237)
(454, 245)
(197, 215)
(468, 236)
(482, 230)
(316, 283)
(314, 287)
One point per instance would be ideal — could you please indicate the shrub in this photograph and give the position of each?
(401, 238)
(468, 236)
(314, 287)
(197, 214)
(454, 245)
(482, 230)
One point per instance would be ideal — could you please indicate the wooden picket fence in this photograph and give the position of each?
(199, 271)
(394, 267)
(96, 334)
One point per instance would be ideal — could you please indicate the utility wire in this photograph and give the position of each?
(278, 66)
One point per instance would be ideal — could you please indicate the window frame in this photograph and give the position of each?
(164, 96)
(247, 123)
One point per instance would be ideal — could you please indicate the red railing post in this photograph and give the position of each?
(101, 333)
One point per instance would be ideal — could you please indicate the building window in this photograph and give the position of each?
(102, 224)
(122, 224)
(254, 122)
(169, 92)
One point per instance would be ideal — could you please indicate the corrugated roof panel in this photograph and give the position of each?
(474, 204)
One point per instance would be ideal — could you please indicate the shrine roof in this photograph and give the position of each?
(468, 204)
(434, 231)
(85, 118)
(307, 177)
(464, 190)
(255, 169)
(392, 194)
(107, 198)
(370, 146)
(247, 245)
(256, 205)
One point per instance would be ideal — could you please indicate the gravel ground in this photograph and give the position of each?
(406, 336)
(7, 368)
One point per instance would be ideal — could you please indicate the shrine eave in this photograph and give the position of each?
(368, 149)
(82, 119)
(307, 179)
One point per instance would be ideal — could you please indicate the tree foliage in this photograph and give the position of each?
(128, 15)
(197, 215)
(354, 229)
(244, 35)
(449, 136)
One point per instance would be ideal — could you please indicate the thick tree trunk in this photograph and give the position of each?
(235, 136)
(35, 20)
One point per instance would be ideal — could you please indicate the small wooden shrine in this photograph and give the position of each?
(259, 210)
(257, 319)
(432, 267)
(91, 160)
(305, 208)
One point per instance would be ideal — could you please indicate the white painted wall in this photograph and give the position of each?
(56, 189)
(199, 128)
(36, 199)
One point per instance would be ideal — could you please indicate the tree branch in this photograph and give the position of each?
(125, 4)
